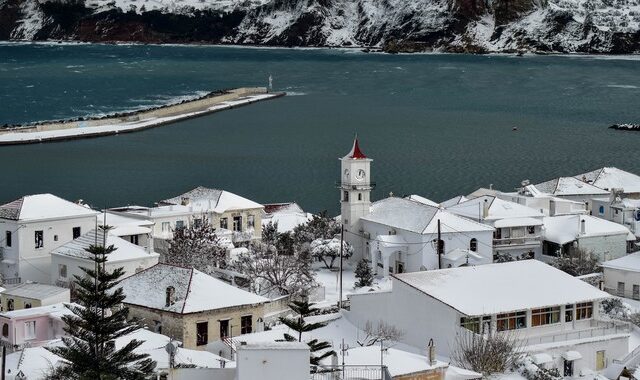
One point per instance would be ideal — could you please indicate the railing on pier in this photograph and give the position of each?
(351, 372)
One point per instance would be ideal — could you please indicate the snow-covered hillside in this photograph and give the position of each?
(590, 26)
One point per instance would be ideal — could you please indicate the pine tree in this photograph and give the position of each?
(89, 349)
(364, 274)
(304, 309)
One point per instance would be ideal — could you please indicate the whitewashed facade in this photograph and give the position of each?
(34, 225)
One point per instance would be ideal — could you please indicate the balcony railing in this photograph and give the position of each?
(514, 241)
(356, 186)
(596, 329)
(13, 281)
(352, 372)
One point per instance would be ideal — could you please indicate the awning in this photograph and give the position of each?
(517, 222)
(571, 355)
(542, 358)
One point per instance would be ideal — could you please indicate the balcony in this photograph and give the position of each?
(517, 242)
(596, 329)
(355, 186)
(351, 372)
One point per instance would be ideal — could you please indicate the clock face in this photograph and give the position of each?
(346, 173)
(361, 175)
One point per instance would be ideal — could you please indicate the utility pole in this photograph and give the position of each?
(439, 245)
(341, 248)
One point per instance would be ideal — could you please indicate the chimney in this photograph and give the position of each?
(431, 352)
(485, 209)
(582, 227)
(185, 201)
(552, 207)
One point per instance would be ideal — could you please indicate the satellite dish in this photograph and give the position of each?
(637, 216)
(171, 349)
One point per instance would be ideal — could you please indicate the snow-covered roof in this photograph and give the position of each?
(517, 222)
(612, 178)
(124, 225)
(286, 215)
(453, 201)
(517, 283)
(422, 200)
(496, 209)
(33, 362)
(35, 291)
(398, 362)
(566, 186)
(194, 291)
(56, 310)
(629, 263)
(43, 206)
(562, 229)
(125, 251)
(418, 217)
(482, 191)
(206, 199)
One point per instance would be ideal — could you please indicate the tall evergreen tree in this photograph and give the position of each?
(364, 274)
(299, 325)
(89, 349)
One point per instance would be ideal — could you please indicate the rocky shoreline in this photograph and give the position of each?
(626, 127)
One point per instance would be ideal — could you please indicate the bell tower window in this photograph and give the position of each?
(345, 196)
(359, 196)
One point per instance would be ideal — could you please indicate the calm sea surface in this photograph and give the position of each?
(436, 125)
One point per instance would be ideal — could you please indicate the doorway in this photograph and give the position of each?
(568, 368)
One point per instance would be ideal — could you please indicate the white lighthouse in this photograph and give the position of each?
(355, 196)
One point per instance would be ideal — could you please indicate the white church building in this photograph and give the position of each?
(401, 234)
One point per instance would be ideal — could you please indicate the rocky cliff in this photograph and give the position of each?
(479, 26)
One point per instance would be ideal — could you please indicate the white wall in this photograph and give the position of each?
(73, 266)
(273, 363)
(613, 276)
(606, 247)
(421, 317)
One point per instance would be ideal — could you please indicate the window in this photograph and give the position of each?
(473, 245)
(345, 196)
(197, 222)
(584, 310)
(179, 224)
(134, 239)
(359, 196)
(441, 247)
(601, 210)
(170, 296)
(237, 223)
(166, 226)
(224, 223)
(636, 292)
(245, 324)
(27, 306)
(62, 271)
(511, 321)
(7, 239)
(76, 232)
(30, 330)
(477, 324)
(531, 230)
(568, 313)
(5, 330)
(545, 316)
(224, 329)
(10, 305)
(157, 326)
(202, 333)
(55, 237)
(39, 236)
(251, 221)
(620, 289)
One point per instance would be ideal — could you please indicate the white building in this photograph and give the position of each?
(609, 178)
(131, 228)
(518, 228)
(622, 276)
(548, 204)
(67, 260)
(566, 233)
(225, 211)
(286, 215)
(31, 227)
(33, 327)
(400, 235)
(547, 310)
(617, 208)
(570, 188)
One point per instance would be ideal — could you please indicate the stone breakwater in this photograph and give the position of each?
(128, 122)
(626, 127)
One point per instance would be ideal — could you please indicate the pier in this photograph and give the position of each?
(134, 121)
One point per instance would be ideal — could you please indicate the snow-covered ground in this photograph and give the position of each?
(330, 280)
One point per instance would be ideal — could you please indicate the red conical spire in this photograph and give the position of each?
(355, 152)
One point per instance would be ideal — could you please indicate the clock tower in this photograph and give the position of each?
(355, 195)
